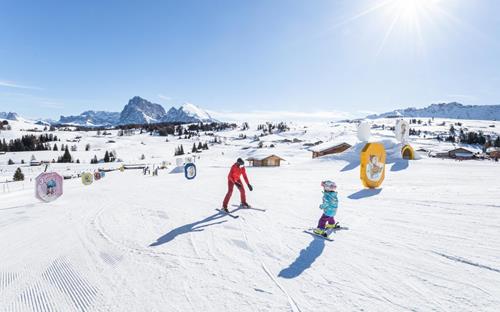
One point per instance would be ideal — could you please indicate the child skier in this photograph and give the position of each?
(329, 207)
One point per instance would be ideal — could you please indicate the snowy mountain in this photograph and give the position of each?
(141, 111)
(447, 110)
(137, 111)
(187, 113)
(92, 118)
(9, 116)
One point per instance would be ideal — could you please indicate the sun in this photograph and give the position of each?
(412, 10)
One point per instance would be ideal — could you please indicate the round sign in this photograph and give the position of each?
(190, 171)
(87, 178)
(364, 131)
(102, 173)
(48, 186)
(372, 169)
(97, 175)
(402, 130)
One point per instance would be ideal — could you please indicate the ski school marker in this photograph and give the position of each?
(190, 171)
(372, 169)
(48, 186)
(87, 178)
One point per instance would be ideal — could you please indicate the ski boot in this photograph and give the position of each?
(245, 205)
(225, 209)
(321, 232)
(332, 226)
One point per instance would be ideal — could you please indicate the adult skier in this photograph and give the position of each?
(233, 178)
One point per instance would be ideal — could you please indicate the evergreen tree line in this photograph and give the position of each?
(108, 157)
(273, 128)
(199, 148)
(28, 143)
(470, 137)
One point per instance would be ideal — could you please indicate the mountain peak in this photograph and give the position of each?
(452, 110)
(9, 116)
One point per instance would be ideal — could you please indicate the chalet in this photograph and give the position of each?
(265, 161)
(35, 162)
(461, 153)
(332, 147)
(493, 152)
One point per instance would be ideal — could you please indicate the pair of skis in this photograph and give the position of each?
(328, 232)
(232, 215)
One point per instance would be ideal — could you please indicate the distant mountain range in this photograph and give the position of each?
(9, 116)
(447, 110)
(137, 111)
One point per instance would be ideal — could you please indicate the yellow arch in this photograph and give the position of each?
(372, 168)
(407, 152)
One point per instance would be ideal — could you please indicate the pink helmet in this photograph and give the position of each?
(329, 186)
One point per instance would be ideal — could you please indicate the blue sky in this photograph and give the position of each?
(324, 58)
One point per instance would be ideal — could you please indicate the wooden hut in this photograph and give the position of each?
(265, 161)
(460, 153)
(493, 152)
(329, 148)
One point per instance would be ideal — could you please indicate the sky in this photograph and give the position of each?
(319, 59)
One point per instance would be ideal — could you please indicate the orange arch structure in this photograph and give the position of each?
(372, 169)
(407, 152)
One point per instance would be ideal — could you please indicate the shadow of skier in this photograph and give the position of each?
(305, 259)
(191, 227)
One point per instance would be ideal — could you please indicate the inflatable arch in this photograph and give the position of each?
(407, 152)
(372, 169)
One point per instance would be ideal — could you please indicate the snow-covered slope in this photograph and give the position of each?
(448, 110)
(425, 241)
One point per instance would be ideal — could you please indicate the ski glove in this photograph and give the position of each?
(250, 187)
(238, 184)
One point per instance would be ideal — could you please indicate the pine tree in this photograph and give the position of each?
(106, 157)
(66, 158)
(194, 150)
(55, 147)
(18, 175)
(10, 162)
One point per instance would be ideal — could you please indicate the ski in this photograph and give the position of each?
(317, 235)
(248, 208)
(228, 213)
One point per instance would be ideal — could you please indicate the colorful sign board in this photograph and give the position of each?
(48, 186)
(190, 171)
(372, 169)
(87, 178)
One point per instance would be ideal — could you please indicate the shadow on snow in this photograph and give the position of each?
(364, 193)
(400, 164)
(305, 259)
(191, 227)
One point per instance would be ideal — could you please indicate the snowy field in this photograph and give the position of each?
(427, 240)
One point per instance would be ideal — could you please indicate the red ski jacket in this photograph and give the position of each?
(236, 172)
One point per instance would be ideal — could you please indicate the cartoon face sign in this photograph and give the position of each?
(87, 178)
(372, 169)
(48, 186)
(190, 171)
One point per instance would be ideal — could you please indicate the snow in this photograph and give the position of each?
(194, 111)
(427, 240)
